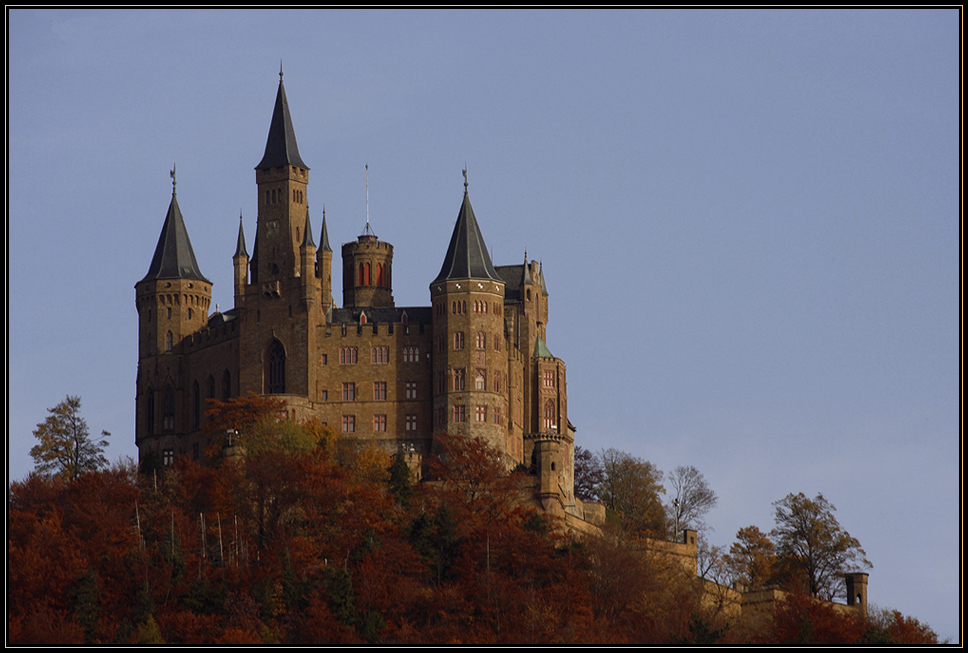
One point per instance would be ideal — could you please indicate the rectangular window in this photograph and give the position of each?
(458, 379)
(324, 359)
(480, 413)
(459, 340)
(497, 415)
(380, 391)
(497, 382)
(481, 340)
(441, 382)
(380, 423)
(459, 414)
(349, 392)
(349, 423)
(411, 389)
(168, 457)
(411, 422)
(347, 356)
(549, 379)
(411, 354)
(324, 395)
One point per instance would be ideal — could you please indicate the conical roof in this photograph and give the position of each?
(324, 236)
(174, 257)
(467, 256)
(308, 232)
(281, 148)
(541, 349)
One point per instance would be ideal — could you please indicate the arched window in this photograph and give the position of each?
(361, 275)
(150, 410)
(169, 341)
(275, 370)
(196, 405)
(168, 409)
(367, 280)
(226, 385)
(549, 415)
(211, 387)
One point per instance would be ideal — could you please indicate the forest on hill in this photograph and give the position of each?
(308, 538)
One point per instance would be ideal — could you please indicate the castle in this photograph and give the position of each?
(473, 363)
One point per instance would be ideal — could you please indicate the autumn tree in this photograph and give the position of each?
(692, 498)
(887, 627)
(65, 448)
(588, 474)
(631, 487)
(812, 547)
(751, 559)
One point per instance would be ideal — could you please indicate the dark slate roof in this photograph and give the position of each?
(324, 235)
(467, 256)
(281, 149)
(174, 257)
(384, 314)
(544, 288)
(512, 275)
(308, 232)
(240, 246)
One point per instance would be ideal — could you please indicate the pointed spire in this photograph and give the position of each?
(174, 257)
(526, 277)
(324, 234)
(467, 256)
(281, 148)
(240, 245)
(544, 288)
(308, 232)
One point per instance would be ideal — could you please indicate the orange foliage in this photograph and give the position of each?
(289, 548)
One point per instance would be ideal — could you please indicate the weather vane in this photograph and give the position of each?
(173, 182)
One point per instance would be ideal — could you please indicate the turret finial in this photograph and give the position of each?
(173, 182)
(464, 172)
(280, 70)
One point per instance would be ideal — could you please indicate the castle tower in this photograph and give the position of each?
(324, 266)
(550, 436)
(470, 366)
(367, 272)
(240, 262)
(282, 299)
(857, 590)
(307, 262)
(172, 301)
(282, 178)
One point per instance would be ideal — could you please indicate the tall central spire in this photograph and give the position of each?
(281, 148)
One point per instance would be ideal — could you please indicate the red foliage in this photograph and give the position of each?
(800, 619)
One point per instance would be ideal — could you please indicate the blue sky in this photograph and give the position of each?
(749, 222)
